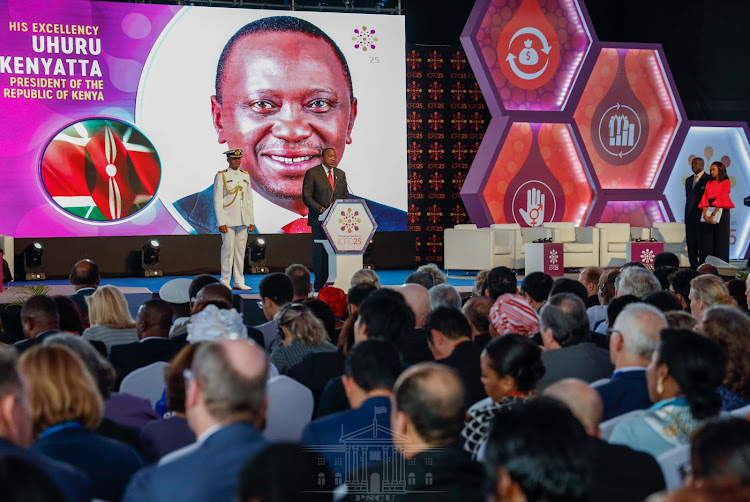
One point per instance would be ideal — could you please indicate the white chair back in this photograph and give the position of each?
(608, 425)
(147, 382)
(290, 408)
(741, 412)
(675, 465)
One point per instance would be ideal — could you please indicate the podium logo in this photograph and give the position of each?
(350, 220)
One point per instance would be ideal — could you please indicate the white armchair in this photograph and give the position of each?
(673, 237)
(614, 239)
(467, 247)
(520, 236)
(6, 244)
(580, 244)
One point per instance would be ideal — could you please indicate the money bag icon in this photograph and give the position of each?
(528, 56)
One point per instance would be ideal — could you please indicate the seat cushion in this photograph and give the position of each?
(671, 232)
(567, 230)
(578, 247)
(502, 250)
(617, 247)
(616, 232)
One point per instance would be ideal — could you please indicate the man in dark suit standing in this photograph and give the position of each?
(694, 187)
(322, 185)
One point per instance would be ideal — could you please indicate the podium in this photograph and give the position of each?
(349, 227)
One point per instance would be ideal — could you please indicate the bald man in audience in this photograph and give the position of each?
(225, 406)
(634, 338)
(619, 473)
(414, 348)
(215, 292)
(39, 319)
(153, 324)
(477, 312)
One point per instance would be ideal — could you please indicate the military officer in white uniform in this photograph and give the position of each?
(233, 204)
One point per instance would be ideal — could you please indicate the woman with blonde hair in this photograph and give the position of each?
(65, 407)
(111, 322)
(301, 334)
(706, 291)
(365, 276)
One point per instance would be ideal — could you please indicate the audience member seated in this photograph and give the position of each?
(606, 287)
(477, 312)
(663, 273)
(565, 285)
(449, 339)
(39, 319)
(370, 371)
(480, 283)
(636, 281)
(679, 284)
(511, 367)
(613, 310)
(15, 433)
(736, 288)
(535, 289)
(664, 301)
(336, 300)
(225, 406)
(177, 294)
(708, 269)
(730, 328)
(565, 333)
(356, 295)
(538, 453)
(501, 280)
(414, 346)
(438, 277)
(70, 317)
(636, 476)
(300, 277)
(301, 333)
(512, 314)
(324, 313)
(706, 291)
(276, 290)
(65, 406)
(111, 322)
(214, 320)
(429, 402)
(22, 481)
(179, 326)
(172, 432)
(634, 339)
(666, 259)
(123, 414)
(445, 295)
(681, 320)
(152, 325)
(422, 278)
(682, 380)
(365, 276)
(383, 315)
(266, 478)
(589, 277)
(85, 277)
(720, 451)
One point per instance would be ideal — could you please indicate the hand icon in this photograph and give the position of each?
(533, 215)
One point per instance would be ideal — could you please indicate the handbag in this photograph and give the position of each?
(715, 212)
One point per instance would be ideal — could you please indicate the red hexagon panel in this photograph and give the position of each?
(537, 176)
(526, 54)
(628, 116)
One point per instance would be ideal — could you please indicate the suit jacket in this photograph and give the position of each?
(109, 463)
(79, 298)
(198, 210)
(326, 431)
(693, 195)
(585, 361)
(621, 474)
(316, 370)
(23, 345)
(210, 472)
(73, 483)
(333, 399)
(131, 356)
(626, 391)
(164, 436)
(317, 193)
(465, 360)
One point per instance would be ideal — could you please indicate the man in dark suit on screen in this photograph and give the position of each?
(322, 185)
(694, 187)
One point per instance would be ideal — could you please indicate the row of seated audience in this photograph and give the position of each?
(418, 395)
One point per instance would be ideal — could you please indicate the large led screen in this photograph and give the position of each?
(115, 116)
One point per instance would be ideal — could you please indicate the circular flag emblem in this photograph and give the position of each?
(100, 170)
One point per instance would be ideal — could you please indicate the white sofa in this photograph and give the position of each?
(520, 236)
(467, 247)
(580, 244)
(614, 239)
(673, 237)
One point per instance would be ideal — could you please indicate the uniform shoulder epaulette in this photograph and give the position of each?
(225, 170)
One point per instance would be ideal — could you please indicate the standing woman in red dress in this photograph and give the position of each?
(716, 234)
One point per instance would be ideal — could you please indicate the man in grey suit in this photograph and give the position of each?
(322, 185)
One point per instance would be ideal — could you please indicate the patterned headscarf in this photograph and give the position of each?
(513, 314)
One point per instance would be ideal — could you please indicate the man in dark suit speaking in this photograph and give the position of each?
(322, 185)
(694, 187)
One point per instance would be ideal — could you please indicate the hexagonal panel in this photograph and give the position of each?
(628, 116)
(726, 143)
(526, 54)
(349, 226)
(529, 174)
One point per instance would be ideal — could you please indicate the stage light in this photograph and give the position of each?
(150, 259)
(32, 262)
(367, 257)
(257, 254)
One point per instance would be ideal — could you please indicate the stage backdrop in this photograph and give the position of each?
(108, 126)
